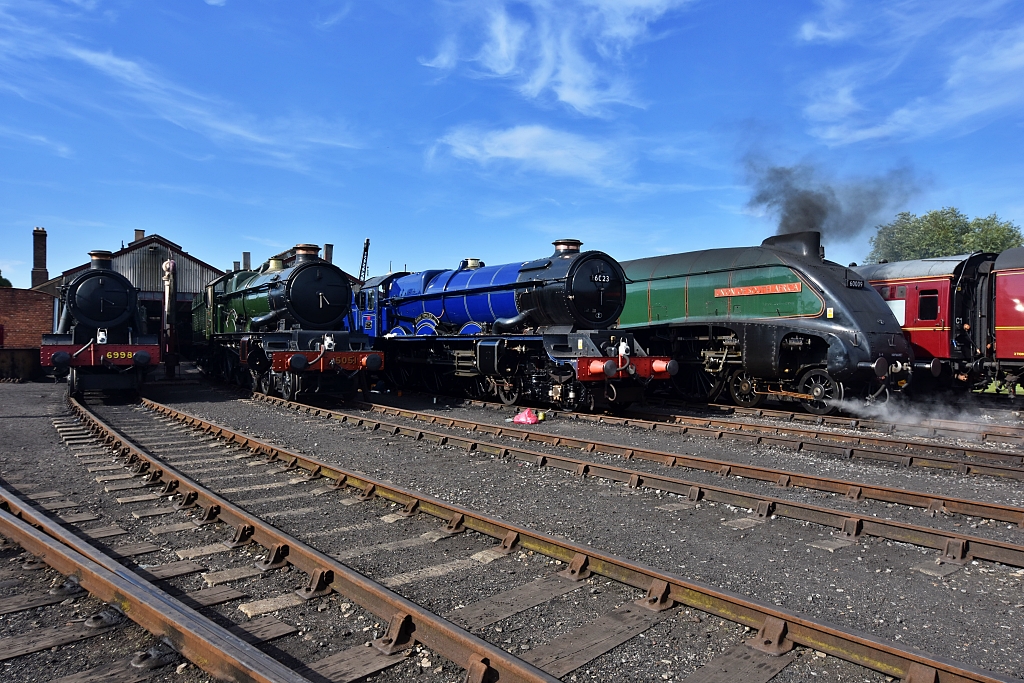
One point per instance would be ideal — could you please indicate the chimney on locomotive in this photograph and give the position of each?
(566, 247)
(100, 259)
(306, 252)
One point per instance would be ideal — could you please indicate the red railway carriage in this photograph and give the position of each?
(1009, 308)
(965, 312)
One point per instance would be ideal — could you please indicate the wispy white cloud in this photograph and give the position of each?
(536, 148)
(334, 18)
(950, 75)
(830, 25)
(133, 89)
(572, 50)
(58, 148)
(216, 3)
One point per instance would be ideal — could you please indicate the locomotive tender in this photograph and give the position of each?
(286, 330)
(101, 341)
(964, 313)
(775, 320)
(537, 330)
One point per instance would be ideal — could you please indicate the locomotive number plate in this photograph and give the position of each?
(600, 277)
(118, 354)
(855, 284)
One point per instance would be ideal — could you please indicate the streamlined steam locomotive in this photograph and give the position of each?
(101, 341)
(535, 331)
(775, 320)
(285, 330)
(964, 313)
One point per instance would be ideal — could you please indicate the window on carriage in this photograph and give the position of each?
(886, 291)
(371, 300)
(928, 305)
(901, 292)
(361, 300)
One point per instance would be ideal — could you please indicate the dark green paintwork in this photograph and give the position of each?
(682, 288)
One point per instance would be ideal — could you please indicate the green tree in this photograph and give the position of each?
(944, 232)
(4, 282)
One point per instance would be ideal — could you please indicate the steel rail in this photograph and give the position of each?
(776, 436)
(952, 430)
(927, 427)
(955, 547)
(778, 629)
(408, 622)
(1014, 435)
(210, 647)
(932, 502)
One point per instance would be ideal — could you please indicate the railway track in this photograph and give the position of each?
(954, 547)
(902, 452)
(129, 594)
(407, 624)
(662, 590)
(920, 426)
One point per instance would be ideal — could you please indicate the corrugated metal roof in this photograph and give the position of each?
(142, 263)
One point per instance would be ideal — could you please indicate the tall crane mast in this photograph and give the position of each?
(363, 268)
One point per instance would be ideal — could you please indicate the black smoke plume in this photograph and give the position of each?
(805, 198)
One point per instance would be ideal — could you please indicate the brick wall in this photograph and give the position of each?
(26, 315)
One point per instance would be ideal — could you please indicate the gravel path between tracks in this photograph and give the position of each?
(999, 491)
(972, 615)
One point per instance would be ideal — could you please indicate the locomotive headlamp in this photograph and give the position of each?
(101, 336)
(328, 342)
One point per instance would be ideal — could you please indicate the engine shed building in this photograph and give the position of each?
(141, 261)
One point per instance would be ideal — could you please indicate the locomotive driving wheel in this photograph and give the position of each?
(741, 388)
(508, 392)
(289, 385)
(825, 392)
(262, 384)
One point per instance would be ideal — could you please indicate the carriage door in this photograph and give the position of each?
(366, 300)
(928, 304)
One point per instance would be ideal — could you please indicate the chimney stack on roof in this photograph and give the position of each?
(139, 234)
(39, 272)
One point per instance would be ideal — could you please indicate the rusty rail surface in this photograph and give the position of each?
(778, 630)
(927, 427)
(870, 448)
(856, 490)
(210, 647)
(955, 547)
(408, 622)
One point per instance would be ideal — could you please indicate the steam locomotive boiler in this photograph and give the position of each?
(537, 330)
(776, 320)
(101, 341)
(286, 330)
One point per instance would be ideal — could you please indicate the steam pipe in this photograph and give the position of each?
(506, 324)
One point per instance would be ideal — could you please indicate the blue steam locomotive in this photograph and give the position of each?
(535, 331)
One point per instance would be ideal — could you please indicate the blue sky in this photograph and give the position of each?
(447, 129)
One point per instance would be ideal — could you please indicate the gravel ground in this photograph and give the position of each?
(972, 615)
(990, 489)
(995, 490)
